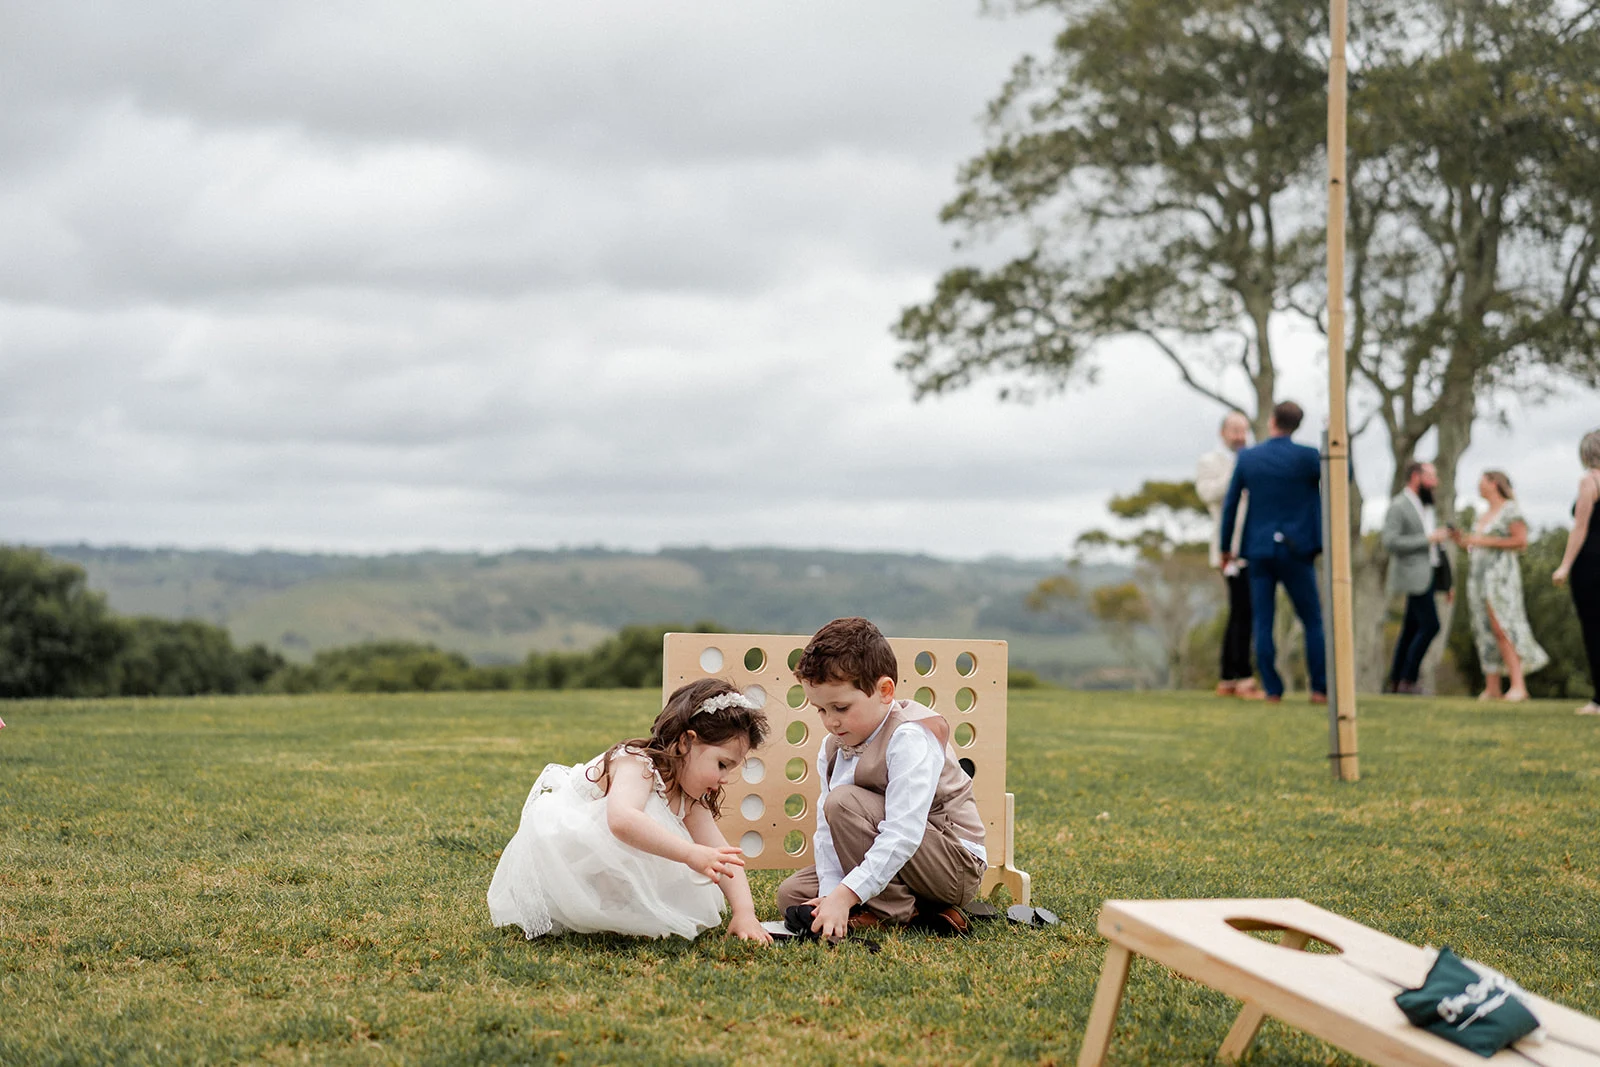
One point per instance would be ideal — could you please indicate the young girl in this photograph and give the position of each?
(628, 843)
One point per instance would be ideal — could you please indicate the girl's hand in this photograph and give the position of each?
(1560, 576)
(715, 862)
(748, 928)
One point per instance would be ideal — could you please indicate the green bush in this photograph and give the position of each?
(629, 659)
(184, 658)
(57, 639)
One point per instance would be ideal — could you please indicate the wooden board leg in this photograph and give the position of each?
(1107, 998)
(1249, 1021)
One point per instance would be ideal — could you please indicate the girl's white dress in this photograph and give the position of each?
(564, 870)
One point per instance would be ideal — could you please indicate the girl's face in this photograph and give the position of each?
(708, 767)
(1486, 489)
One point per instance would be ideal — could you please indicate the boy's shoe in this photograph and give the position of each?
(862, 919)
(946, 920)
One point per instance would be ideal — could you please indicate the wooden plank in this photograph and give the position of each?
(1103, 1015)
(1345, 997)
(1246, 1026)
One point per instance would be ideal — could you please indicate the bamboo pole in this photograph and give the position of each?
(1342, 705)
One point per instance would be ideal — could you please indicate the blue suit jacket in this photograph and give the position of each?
(1285, 514)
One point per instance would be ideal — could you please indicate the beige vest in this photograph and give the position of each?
(953, 805)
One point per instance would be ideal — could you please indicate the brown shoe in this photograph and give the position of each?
(1227, 689)
(1272, 698)
(1319, 698)
(862, 919)
(949, 921)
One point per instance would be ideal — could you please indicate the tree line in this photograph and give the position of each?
(58, 638)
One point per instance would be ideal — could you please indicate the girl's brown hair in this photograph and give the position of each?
(668, 743)
(1501, 482)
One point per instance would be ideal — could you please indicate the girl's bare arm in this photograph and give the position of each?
(742, 921)
(632, 782)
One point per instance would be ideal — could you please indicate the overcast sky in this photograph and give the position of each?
(375, 276)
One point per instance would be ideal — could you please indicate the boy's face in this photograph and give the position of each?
(847, 713)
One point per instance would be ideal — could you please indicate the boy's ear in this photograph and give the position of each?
(884, 690)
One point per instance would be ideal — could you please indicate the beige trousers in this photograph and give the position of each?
(940, 872)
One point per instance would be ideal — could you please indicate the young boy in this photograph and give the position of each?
(898, 834)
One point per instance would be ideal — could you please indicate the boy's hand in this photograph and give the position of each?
(833, 913)
(715, 863)
(748, 928)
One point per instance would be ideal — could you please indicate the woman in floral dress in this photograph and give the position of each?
(1494, 592)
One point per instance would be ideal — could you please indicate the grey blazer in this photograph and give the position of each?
(1410, 573)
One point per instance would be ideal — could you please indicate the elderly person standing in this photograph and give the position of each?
(1211, 480)
(1494, 590)
(1412, 539)
(1580, 565)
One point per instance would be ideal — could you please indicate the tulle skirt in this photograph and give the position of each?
(565, 871)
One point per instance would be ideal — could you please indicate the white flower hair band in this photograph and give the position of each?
(712, 705)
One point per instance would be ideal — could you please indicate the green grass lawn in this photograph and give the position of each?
(293, 879)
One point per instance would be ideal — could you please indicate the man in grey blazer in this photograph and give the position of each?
(1412, 540)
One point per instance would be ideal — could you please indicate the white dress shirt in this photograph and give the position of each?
(1425, 512)
(915, 761)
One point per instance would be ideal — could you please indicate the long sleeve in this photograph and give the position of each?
(1230, 506)
(1395, 539)
(829, 871)
(1211, 477)
(915, 761)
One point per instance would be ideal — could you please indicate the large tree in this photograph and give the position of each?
(1156, 171)
(1473, 201)
(56, 637)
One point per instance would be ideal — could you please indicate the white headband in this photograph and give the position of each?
(712, 705)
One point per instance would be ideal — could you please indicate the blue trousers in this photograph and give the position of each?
(1299, 580)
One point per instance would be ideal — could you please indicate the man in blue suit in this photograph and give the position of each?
(1282, 538)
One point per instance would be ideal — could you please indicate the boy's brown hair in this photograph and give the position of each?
(848, 650)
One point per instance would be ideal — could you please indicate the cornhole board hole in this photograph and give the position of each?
(772, 813)
(1327, 975)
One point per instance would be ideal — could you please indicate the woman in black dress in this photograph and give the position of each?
(1580, 566)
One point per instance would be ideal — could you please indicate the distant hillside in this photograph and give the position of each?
(495, 608)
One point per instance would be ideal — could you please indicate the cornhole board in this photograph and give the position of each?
(1341, 990)
(772, 813)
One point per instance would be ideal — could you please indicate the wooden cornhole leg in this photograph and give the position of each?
(1107, 999)
(1249, 1021)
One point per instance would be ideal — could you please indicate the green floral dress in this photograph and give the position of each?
(1495, 581)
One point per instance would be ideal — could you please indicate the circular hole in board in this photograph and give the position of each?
(794, 805)
(797, 733)
(796, 697)
(796, 770)
(968, 766)
(966, 663)
(924, 663)
(794, 657)
(751, 844)
(755, 659)
(754, 770)
(965, 698)
(965, 735)
(711, 660)
(925, 697)
(756, 695)
(794, 842)
(752, 807)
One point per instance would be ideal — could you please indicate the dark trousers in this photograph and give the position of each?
(1585, 586)
(1417, 632)
(1299, 579)
(1236, 638)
